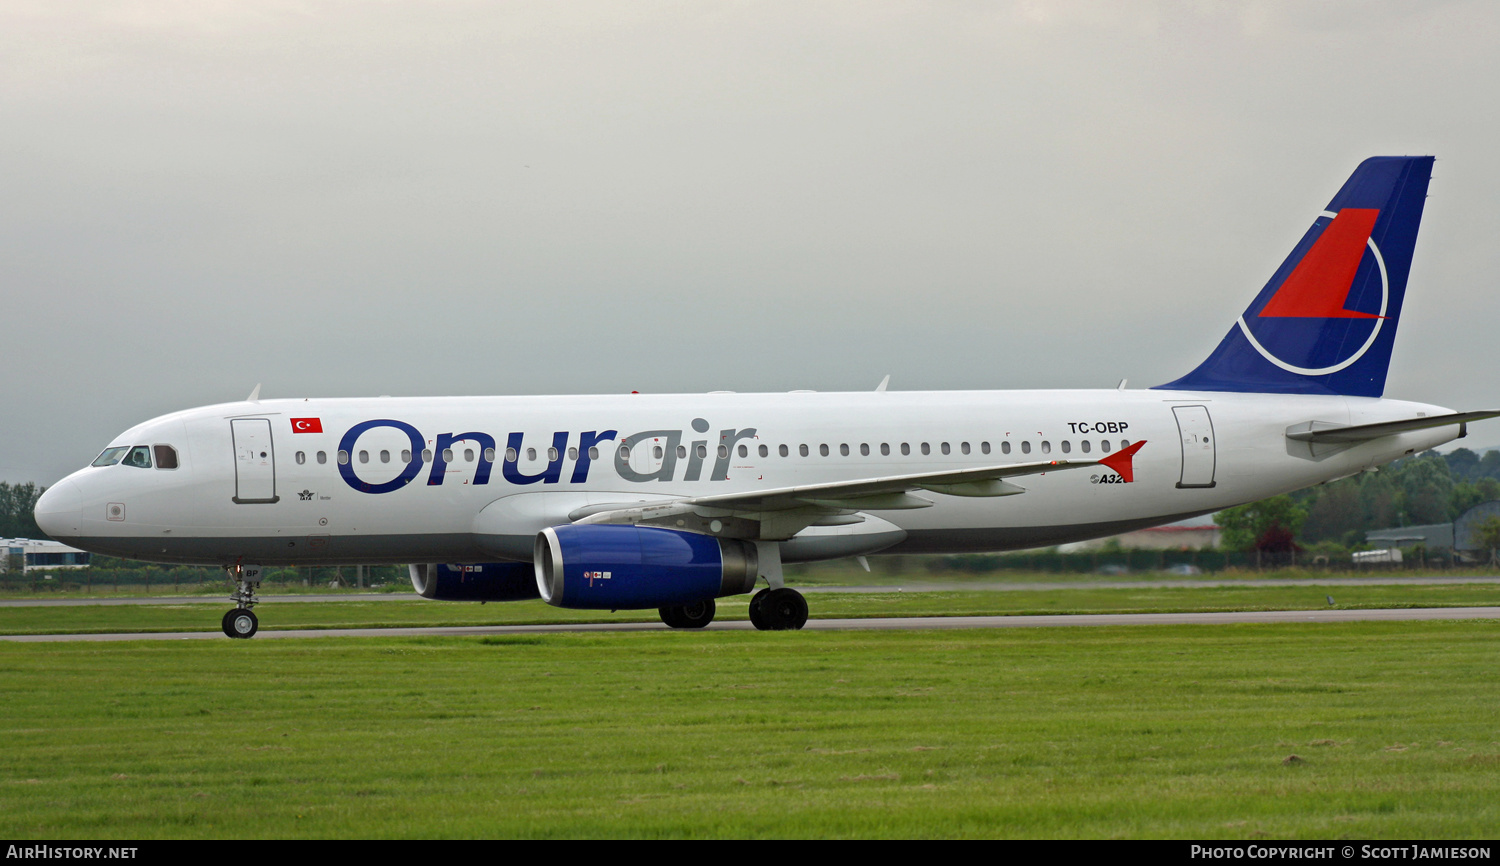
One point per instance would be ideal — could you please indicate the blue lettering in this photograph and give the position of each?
(585, 442)
(445, 441)
(346, 445)
(550, 475)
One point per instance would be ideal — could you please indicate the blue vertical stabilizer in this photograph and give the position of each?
(1326, 321)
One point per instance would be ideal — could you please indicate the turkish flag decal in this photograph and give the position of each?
(307, 425)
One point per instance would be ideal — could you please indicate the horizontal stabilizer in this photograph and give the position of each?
(1319, 432)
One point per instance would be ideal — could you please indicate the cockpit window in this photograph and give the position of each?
(110, 457)
(139, 456)
(166, 456)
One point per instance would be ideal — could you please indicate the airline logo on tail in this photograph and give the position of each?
(1326, 321)
(1320, 290)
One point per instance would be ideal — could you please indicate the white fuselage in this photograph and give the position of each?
(225, 502)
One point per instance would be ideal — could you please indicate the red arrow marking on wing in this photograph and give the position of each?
(1120, 461)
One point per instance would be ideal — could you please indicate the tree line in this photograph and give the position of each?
(16, 504)
(1414, 491)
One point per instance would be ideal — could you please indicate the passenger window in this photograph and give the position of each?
(572, 453)
(905, 449)
(844, 450)
(110, 456)
(802, 449)
(885, 449)
(385, 457)
(593, 452)
(702, 451)
(322, 456)
(1124, 443)
(624, 451)
(1046, 447)
(166, 456)
(343, 458)
(301, 458)
(1005, 447)
(744, 452)
(823, 450)
(551, 455)
(364, 457)
(1104, 445)
(656, 452)
(782, 450)
(405, 455)
(984, 447)
(681, 451)
(946, 449)
(926, 449)
(1084, 445)
(139, 457)
(964, 448)
(723, 450)
(531, 454)
(1025, 447)
(764, 451)
(447, 455)
(1067, 447)
(864, 449)
(489, 455)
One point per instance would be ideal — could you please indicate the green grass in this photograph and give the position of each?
(377, 612)
(1183, 731)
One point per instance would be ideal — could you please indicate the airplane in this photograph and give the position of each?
(670, 501)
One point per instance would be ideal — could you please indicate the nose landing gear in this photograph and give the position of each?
(241, 622)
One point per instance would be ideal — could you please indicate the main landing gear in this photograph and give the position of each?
(781, 609)
(241, 622)
(695, 614)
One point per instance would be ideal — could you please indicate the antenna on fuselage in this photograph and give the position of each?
(254, 395)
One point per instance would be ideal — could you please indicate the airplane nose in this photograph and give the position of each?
(58, 510)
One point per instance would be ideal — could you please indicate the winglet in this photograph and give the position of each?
(883, 382)
(1120, 461)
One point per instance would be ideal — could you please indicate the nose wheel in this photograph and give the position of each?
(241, 622)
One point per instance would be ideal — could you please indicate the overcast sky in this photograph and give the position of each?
(347, 199)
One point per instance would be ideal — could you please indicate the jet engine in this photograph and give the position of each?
(610, 567)
(483, 581)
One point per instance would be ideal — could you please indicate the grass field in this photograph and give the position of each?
(376, 611)
(1359, 730)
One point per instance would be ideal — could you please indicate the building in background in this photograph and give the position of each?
(29, 554)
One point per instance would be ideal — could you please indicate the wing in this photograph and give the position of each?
(780, 513)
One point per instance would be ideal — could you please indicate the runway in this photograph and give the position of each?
(915, 586)
(890, 624)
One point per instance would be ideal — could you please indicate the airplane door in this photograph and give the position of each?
(1197, 431)
(254, 460)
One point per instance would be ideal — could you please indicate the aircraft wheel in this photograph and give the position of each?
(757, 618)
(784, 609)
(696, 614)
(241, 623)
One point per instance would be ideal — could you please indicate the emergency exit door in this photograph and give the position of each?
(1197, 433)
(254, 460)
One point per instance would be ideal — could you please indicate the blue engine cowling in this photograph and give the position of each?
(608, 567)
(483, 581)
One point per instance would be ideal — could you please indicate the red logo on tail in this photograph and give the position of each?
(1319, 286)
